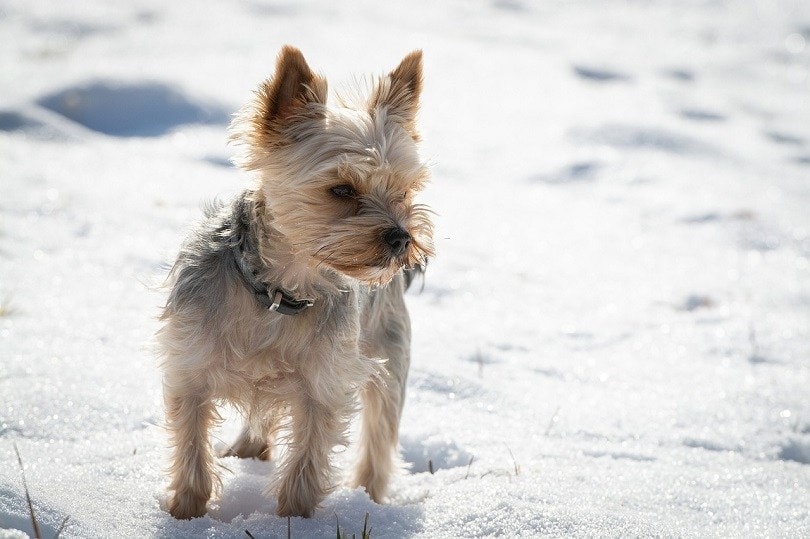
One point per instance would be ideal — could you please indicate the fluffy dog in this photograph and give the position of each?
(288, 302)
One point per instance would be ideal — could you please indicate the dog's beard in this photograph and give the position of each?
(369, 264)
(356, 246)
(371, 275)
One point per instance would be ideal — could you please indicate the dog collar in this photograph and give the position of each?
(273, 298)
(282, 302)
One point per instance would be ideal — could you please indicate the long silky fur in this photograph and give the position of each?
(299, 380)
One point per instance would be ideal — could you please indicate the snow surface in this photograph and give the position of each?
(614, 338)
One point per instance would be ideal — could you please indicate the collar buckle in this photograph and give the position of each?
(276, 297)
(283, 303)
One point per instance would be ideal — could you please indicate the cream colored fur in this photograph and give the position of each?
(297, 379)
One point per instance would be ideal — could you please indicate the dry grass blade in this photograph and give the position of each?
(61, 528)
(469, 465)
(479, 359)
(514, 462)
(34, 523)
(249, 534)
(6, 308)
(552, 421)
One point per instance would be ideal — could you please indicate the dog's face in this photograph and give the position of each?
(340, 181)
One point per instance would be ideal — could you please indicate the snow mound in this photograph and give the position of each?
(423, 454)
(142, 109)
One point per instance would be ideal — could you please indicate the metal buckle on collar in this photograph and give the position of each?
(276, 297)
(282, 303)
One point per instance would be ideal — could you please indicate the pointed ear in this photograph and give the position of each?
(399, 92)
(290, 92)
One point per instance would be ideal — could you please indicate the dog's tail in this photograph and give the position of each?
(412, 273)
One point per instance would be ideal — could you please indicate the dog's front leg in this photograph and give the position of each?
(379, 434)
(189, 416)
(318, 424)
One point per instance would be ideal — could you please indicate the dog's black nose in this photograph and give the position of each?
(397, 240)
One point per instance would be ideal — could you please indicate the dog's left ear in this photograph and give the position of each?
(399, 93)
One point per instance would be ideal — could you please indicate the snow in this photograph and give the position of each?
(614, 338)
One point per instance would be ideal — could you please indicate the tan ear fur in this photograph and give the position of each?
(399, 92)
(288, 92)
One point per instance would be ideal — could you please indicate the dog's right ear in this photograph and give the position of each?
(292, 87)
(281, 105)
(288, 95)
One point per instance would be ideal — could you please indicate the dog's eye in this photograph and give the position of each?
(344, 191)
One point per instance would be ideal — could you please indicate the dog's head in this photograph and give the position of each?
(339, 181)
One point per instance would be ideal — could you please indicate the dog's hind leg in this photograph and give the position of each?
(248, 445)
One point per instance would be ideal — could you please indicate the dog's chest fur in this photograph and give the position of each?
(212, 308)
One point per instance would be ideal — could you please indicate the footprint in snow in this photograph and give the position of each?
(598, 74)
(796, 449)
(701, 115)
(680, 75)
(694, 302)
(432, 454)
(140, 109)
(708, 445)
(218, 161)
(16, 122)
(578, 171)
(780, 137)
(620, 455)
(708, 217)
(803, 160)
(649, 138)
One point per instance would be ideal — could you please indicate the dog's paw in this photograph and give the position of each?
(247, 448)
(374, 474)
(289, 507)
(375, 486)
(185, 506)
(298, 497)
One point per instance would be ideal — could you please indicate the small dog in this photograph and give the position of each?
(288, 303)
